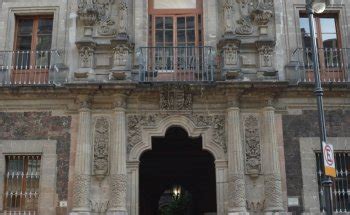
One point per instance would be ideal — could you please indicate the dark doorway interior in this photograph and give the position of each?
(177, 160)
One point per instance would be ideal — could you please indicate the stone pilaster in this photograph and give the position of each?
(118, 174)
(272, 181)
(236, 182)
(82, 172)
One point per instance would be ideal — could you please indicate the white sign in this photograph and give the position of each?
(328, 159)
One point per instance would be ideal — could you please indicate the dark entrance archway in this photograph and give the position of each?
(177, 160)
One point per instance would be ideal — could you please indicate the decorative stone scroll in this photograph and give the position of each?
(252, 145)
(214, 122)
(101, 146)
(92, 12)
(245, 26)
(262, 11)
(175, 98)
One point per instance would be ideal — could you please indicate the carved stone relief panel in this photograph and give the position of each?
(97, 12)
(252, 144)
(265, 50)
(175, 98)
(101, 143)
(136, 122)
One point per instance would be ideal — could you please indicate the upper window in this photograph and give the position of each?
(22, 184)
(33, 33)
(326, 30)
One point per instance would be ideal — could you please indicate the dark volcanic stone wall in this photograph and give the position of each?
(306, 125)
(42, 126)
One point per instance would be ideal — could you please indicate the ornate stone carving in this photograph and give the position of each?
(262, 12)
(123, 18)
(265, 49)
(245, 27)
(97, 11)
(217, 123)
(101, 146)
(256, 207)
(231, 54)
(137, 122)
(228, 17)
(236, 194)
(86, 54)
(273, 192)
(120, 55)
(81, 191)
(99, 206)
(175, 98)
(118, 190)
(252, 145)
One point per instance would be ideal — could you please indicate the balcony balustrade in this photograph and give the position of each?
(333, 63)
(176, 64)
(31, 68)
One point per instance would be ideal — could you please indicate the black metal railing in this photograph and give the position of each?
(30, 68)
(333, 64)
(178, 64)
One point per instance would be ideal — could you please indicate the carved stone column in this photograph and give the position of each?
(228, 18)
(82, 171)
(236, 182)
(123, 20)
(273, 186)
(118, 174)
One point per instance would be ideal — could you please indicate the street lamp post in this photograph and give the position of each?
(318, 6)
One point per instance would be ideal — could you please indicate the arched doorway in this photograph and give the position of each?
(177, 161)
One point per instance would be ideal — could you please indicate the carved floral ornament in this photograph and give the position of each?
(101, 146)
(136, 122)
(251, 12)
(252, 144)
(101, 13)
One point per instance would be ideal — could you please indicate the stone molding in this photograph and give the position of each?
(141, 129)
(45, 148)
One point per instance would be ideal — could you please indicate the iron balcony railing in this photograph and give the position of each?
(31, 68)
(176, 64)
(333, 64)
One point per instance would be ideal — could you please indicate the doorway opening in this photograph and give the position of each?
(177, 176)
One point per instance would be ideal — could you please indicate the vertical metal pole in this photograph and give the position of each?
(326, 181)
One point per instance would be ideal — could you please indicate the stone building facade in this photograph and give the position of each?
(89, 89)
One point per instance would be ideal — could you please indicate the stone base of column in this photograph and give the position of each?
(117, 212)
(274, 210)
(80, 213)
(237, 213)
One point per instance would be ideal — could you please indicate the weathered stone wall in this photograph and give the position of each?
(306, 125)
(42, 126)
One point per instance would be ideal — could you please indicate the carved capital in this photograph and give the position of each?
(119, 102)
(118, 183)
(85, 102)
(86, 53)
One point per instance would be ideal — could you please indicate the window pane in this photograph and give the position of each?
(44, 43)
(181, 36)
(181, 23)
(45, 26)
(329, 40)
(159, 23)
(174, 4)
(169, 36)
(24, 43)
(304, 25)
(190, 22)
(328, 25)
(169, 23)
(159, 36)
(25, 26)
(191, 36)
